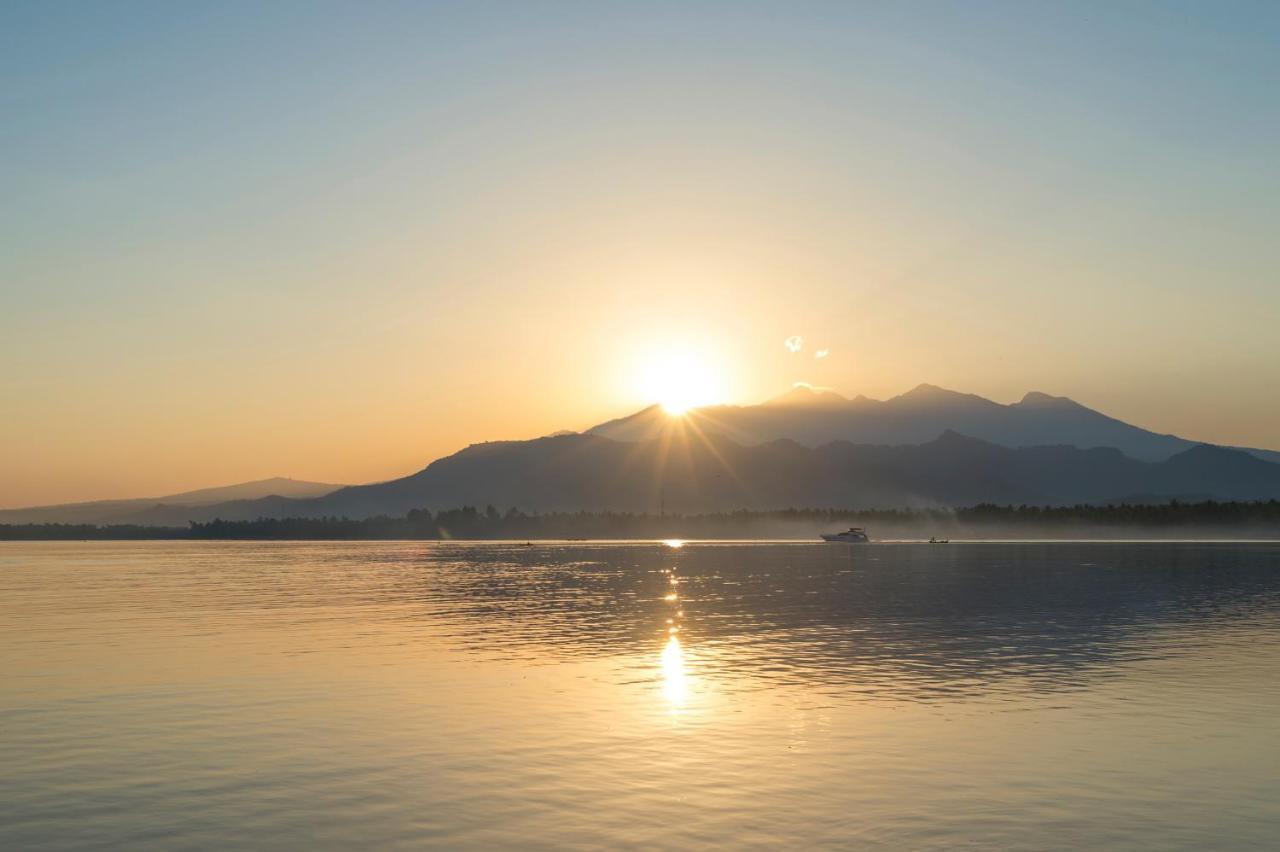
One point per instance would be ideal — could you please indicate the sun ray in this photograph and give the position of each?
(714, 451)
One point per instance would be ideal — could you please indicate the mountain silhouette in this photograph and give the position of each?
(807, 448)
(170, 509)
(814, 417)
(685, 471)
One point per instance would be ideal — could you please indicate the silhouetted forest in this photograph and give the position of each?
(469, 522)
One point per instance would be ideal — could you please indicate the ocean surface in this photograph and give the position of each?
(175, 695)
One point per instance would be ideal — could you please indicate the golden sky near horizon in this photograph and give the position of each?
(460, 225)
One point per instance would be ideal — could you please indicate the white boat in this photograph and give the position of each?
(854, 535)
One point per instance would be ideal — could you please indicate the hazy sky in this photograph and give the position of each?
(335, 242)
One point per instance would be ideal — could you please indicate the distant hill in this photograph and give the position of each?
(169, 507)
(815, 417)
(683, 471)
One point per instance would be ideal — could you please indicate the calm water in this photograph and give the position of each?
(322, 695)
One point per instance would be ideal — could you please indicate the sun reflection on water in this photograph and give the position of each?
(675, 684)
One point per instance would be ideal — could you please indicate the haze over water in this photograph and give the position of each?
(375, 695)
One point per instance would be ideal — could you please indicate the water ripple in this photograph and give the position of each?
(326, 695)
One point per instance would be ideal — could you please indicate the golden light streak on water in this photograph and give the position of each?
(675, 683)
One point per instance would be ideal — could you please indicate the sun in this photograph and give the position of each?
(679, 377)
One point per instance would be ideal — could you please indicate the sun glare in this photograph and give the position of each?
(680, 378)
(675, 684)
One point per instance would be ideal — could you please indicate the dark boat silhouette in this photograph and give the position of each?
(854, 535)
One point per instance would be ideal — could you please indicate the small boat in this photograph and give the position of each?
(933, 540)
(854, 535)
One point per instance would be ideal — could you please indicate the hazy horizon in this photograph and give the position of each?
(334, 243)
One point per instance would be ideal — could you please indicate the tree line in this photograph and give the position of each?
(470, 522)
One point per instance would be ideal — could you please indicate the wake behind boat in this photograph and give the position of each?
(854, 535)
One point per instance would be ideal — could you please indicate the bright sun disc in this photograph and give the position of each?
(679, 378)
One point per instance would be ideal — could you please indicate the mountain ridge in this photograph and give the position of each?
(687, 472)
(815, 417)
(807, 447)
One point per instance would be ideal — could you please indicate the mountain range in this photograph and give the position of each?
(808, 448)
(814, 417)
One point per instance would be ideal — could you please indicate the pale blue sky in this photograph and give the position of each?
(335, 241)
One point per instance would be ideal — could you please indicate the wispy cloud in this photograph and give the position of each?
(794, 343)
(822, 353)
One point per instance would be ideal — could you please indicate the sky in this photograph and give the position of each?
(337, 241)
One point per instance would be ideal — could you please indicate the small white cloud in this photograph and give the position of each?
(822, 353)
(794, 343)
